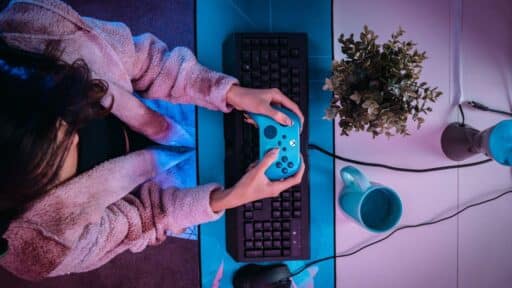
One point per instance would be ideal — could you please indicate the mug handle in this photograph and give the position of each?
(351, 176)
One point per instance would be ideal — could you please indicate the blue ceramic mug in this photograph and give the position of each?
(376, 207)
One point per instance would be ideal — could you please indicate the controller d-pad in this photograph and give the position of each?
(270, 132)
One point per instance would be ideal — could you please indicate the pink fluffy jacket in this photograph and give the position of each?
(88, 220)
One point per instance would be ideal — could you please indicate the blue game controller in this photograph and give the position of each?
(286, 138)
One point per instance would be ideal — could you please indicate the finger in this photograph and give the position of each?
(277, 115)
(250, 121)
(280, 186)
(269, 158)
(280, 98)
(252, 165)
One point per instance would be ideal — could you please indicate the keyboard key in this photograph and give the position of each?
(286, 205)
(264, 42)
(246, 67)
(274, 76)
(265, 69)
(267, 235)
(276, 225)
(258, 205)
(272, 253)
(276, 214)
(248, 214)
(276, 243)
(284, 61)
(253, 253)
(255, 42)
(294, 52)
(274, 84)
(283, 42)
(283, 52)
(286, 244)
(258, 244)
(267, 226)
(285, 195)
(248, 206)
(286, 225)
(276, 235)
(248, 231)
(249, 244)
(255, 57)
(274, 55)
(276, 204)
(258, 235)
(258, 226)
(265, 56)
(246, 56)
(287, 252)
(274, 42)
(296, 195)
(296, 213)
(285, 235)
(267, 244)
(295, 80)
(285, 214)
(296, 204)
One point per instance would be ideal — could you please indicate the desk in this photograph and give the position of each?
(472, 250)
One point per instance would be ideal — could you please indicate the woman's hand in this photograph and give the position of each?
(254, 185)
(259, 100)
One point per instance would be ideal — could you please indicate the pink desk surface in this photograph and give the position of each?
(474, 249)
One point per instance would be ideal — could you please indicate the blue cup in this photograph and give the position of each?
(375, 207)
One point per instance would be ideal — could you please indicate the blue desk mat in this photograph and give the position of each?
(215, 21)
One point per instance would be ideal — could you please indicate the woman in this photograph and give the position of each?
(57, 222)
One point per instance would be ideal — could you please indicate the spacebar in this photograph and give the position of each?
(272, 253)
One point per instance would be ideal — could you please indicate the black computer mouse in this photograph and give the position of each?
(262, 276)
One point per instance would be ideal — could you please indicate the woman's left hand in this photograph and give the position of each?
(260, 100)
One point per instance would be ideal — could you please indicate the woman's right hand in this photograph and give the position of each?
(254, 185)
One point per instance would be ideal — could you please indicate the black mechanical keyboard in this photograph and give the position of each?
(274, 229)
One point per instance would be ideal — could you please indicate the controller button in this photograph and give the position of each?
(270, 132)
(284, 159)
(279, 143)
(284, 136)
(279, 164)
(284, 149)
(293, 143)
(290, 164)
(284, 170)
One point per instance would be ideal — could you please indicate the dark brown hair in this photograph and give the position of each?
(37, 93)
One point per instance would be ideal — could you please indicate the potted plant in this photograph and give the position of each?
(376, 87)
